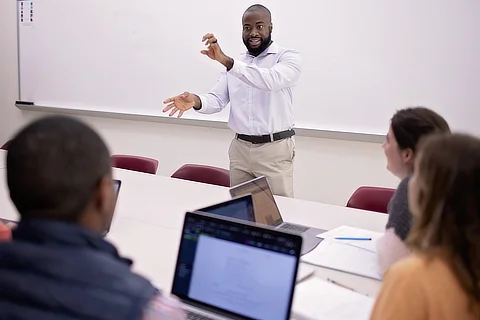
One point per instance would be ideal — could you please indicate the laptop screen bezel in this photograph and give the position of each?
(245, 197)
(119, 183)
(243, 224)
(233, 193)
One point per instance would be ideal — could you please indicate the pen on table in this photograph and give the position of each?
(347, 238)
(339, 284)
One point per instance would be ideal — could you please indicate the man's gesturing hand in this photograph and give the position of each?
(214, 51)
(180, 103)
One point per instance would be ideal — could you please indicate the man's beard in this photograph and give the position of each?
(265, 43)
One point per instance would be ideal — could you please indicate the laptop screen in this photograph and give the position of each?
(264, 205)
(116, 185)
(243, 269)
(239, 208)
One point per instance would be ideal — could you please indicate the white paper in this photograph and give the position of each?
(320, 300)
(26, 13)
(304, 271)
(352, 232)
(344, 257)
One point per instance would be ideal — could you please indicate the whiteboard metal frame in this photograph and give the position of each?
(315, 133)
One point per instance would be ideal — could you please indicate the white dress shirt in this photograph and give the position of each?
(259, 90)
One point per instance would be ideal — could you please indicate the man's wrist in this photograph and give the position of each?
(198, 102)
(227, 62)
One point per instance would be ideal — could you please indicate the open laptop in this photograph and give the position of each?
(116, 184)
(232, 269)
(267, 212)
(240, 208)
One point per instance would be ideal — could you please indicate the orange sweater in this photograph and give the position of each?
(417, 288)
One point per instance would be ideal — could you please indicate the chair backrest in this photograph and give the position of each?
(371, 199)
(5, 145)
(135, 163)
(205, 174)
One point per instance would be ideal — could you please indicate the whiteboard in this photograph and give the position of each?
(362, 60)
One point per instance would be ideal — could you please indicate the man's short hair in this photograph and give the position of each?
(259, 7)
(53, 167)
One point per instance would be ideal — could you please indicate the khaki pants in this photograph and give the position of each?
(274, 160)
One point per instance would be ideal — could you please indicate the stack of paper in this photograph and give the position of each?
(352, 256)
(304, 271)
(344, 257)
(320, 300)
(352, 232)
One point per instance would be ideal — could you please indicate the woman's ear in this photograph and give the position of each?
(407, 156)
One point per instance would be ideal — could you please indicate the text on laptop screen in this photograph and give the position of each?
(265, 208)
(235, 268)
(240, 208)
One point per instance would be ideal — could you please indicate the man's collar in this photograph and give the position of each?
(271, 49)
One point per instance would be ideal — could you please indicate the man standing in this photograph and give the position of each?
(259, 87)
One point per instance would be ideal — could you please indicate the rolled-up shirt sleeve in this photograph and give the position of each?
(282, 75)
(217, 99)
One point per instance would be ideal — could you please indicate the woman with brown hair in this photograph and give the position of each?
(407, 127)
(441, 279)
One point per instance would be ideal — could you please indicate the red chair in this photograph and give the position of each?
(5, 145)
(204, 174)
(371, 199)
(135, 163)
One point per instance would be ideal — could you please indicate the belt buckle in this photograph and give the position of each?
(271, 137)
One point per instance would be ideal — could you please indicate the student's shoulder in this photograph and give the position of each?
(417, 266)
(403, 185)
(411, 264)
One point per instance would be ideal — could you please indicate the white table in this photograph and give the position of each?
(151, 208)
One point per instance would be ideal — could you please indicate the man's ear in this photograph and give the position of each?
(271, 26)
(104, 194)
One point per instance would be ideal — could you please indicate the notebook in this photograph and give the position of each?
(317, 299)
(344, 257)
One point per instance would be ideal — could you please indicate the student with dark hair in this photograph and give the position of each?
(441, 279)
(58, 266)
(408, 126)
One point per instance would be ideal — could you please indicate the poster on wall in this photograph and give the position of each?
(26, 13)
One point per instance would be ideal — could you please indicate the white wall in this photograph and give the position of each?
(325, 170)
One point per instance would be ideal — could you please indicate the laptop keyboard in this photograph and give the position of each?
(293, 228)
(195, 316)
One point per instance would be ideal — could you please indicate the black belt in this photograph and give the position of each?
(266, 137)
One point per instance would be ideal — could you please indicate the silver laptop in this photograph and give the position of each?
(267, 212)
(240, 208)
(232, 269)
